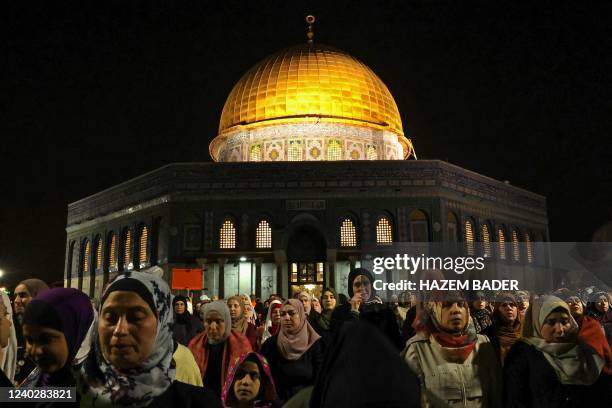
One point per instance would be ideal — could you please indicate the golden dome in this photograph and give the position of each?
(309, 83)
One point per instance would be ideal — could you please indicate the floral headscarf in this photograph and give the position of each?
(101, 385)
(267, 394)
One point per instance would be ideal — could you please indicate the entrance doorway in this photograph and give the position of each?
(306, 253)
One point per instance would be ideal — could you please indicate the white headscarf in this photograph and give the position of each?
(221, 308)
(101, 385)
(268, 325)
(8, 358)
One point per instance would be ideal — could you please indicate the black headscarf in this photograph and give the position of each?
(361, 358)
(358, 272)
(185, 317)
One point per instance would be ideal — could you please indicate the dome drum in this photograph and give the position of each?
(308, 142)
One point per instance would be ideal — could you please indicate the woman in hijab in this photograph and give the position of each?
(356, 347)
(186, 325)
(8, 339)
(480, 312)
(249, 384)
(272, 324)
(56, 325)
(131, 361)
(321, 322)
(295, 354)
(25, 291)
(249, 310)
(240, 324)
(552, 366)
(599, 307)
(456, 366)
(365, 304)
(218, 346)
(506, 328)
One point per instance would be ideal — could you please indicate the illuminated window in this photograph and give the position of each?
(295, 150)
(255, 153)
(98, 252)
(371, 153)
(384, 232)
(348, 233)
(334, 150)
(451, 227)
(127, 249)
(529, 248)
(469, 238)
(501, 240)
(516, 249)
(486, 241)
(143, 247)
(227, 235)
(112, 252)
(86, 254)
(419, 229)
(263, 235)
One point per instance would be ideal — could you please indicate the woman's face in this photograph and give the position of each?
(234, 308)
(316, 306)
(305, 299)
(556, 327)
(454, 316)
(276, 315)
(247, 382)
(290, 320)
(127, 330)
(22, 298)
(508, 312)
(602, 304)
(214, 326)
(46, 347)
(479, 304)
(575, 306)
(328, 300)
(179, 307)
(5, 325)
(362, 285)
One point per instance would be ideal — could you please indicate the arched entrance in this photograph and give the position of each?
(306, 252)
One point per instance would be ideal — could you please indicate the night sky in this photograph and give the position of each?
(94, 97)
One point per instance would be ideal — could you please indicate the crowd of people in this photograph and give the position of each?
(141, 346)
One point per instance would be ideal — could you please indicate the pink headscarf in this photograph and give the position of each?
(292, 344)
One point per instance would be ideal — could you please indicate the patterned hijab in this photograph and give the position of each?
(573, 361)
(267, 391)
(293, 343)
(100, 384)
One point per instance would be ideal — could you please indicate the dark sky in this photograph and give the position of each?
(93, 97)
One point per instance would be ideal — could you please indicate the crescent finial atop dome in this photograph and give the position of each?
(310, 19)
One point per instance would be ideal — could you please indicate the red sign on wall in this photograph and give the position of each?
(187, 278)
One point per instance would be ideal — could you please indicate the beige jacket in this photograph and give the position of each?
(474, 383)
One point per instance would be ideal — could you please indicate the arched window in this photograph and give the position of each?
(516, 247)
(348, 233)
(143, 246)
(470, 246)
(227, 235)
(451, 227)
(371, 152)
(128, 260)
(255, 155)
(384, 231)
(112, 252)
(295, 150)
(85, 256)
(419, 228)
(334, 150)
(485, 237)
(263, 235)
(501, 241)
(70, 266)
(529, 247)
(98, 254)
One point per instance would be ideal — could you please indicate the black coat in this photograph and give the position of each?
(186, 328)
(378, 315)
(186, 396)
(530, 381)
(290, 376)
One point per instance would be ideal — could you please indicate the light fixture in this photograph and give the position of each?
(242, 258)
(1, 273)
